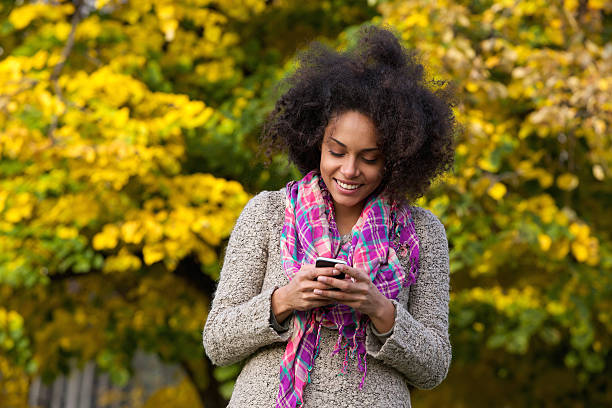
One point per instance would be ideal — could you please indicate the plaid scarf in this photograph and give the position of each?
(382, 231)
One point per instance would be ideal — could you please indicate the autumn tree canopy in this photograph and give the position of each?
(128, 147)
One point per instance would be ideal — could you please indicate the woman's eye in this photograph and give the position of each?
(374, 160)
(335, 154)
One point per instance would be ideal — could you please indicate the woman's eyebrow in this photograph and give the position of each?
(369, 149)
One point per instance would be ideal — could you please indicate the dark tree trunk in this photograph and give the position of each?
(209, 391)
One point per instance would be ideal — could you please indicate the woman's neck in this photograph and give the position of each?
(346, 217)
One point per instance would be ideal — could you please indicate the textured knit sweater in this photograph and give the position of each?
(238, 327)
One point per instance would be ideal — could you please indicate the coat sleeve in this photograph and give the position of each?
(419, 346)
(238, 322)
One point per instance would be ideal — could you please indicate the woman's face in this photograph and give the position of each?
(351, 163)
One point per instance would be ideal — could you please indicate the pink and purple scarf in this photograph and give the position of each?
(382, 231)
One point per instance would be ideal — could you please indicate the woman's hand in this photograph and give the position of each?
(360, 294)
(299, 293)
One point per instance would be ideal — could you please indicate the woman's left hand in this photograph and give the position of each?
(361, 294)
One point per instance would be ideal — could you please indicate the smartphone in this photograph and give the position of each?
(323, 262)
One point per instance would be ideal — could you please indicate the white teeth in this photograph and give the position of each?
(347, 186)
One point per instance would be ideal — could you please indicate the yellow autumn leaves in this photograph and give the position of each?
(19, 207)
(15, 384)
(563, 93)
(567, 181)
(525, 209)
(11, 326)
(578, 238)
(13, 347)
(497, 191)
(107, 238)
(585, 247)
(118, 184)
(112, 131)
(505, 301)
(22, 16)
(203, 209)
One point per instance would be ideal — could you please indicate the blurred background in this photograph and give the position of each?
(128, 147)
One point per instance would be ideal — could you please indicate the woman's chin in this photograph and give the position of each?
(347, 202)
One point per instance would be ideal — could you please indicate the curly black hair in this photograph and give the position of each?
(382, 80)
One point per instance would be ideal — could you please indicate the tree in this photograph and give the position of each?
(525, 208)
(114, 116)
(128, 147)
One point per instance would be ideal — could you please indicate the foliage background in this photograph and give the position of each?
(128, 147)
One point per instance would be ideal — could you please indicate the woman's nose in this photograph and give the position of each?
(349, 168)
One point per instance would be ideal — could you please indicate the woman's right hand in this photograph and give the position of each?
(299, 294)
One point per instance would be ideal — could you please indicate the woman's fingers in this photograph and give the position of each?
(327, 271)
(336, 295)
(313, 300)
(309, 272)
(342, 284)
(358, 275)
(318, 285)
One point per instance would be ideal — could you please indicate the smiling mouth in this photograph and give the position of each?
(348, 186)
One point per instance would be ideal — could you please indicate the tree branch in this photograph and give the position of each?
(189, 270)
(5, 99)
(77, 17)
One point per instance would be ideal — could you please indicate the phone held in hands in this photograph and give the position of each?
(323, 262)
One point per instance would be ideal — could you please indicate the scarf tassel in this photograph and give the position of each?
(316, 354)
(350, 349)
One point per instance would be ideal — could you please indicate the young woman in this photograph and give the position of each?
(369, 135)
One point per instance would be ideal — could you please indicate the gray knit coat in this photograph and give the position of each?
(238, 327)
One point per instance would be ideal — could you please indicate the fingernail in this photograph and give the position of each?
(321, 278)
(335, 272)
(317, 291)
